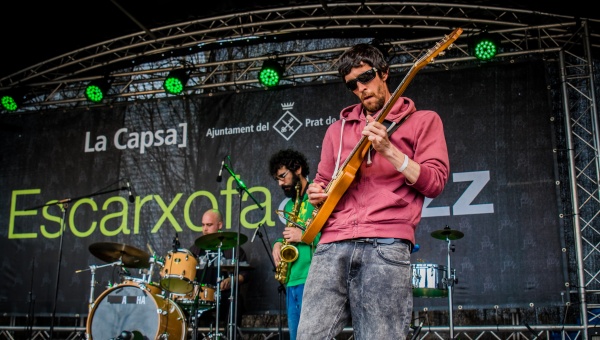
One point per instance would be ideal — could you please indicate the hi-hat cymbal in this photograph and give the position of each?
(111, 252)
(447, 233)
(226, 240)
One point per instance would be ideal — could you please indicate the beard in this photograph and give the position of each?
(376, 106)
(290, 190)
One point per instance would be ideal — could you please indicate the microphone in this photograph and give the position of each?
(130, 335)
(125, 335)
(219, 177)
(131, 198)
(255, 232)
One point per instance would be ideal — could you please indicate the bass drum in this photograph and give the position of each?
(128, 308)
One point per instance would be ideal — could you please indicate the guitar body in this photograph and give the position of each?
(320, 214)
(338, 185)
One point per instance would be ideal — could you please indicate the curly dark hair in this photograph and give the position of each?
(364, 53)
(289, 158)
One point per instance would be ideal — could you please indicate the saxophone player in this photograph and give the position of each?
(290, 169)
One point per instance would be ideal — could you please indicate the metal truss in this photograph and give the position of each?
(441, 333)
(583, 139)
(224, 54)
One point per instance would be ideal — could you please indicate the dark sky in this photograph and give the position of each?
(35, 31)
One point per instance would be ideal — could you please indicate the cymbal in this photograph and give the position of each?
(111, 252)
(227, 240)
(447, 233)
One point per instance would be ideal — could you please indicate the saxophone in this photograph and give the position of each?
(289, 253)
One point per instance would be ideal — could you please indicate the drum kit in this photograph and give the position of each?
(139, 308)
(432, 280)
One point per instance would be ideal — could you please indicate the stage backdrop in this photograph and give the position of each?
(501, 191)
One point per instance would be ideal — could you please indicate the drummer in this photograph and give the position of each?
(212, 222)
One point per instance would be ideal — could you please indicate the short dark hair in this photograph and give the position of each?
(364, 53)
(289, 158)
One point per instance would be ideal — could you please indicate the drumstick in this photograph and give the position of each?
(150, 248)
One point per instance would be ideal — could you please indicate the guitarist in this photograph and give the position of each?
(360, 275)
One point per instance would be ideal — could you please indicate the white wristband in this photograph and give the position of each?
(404, 164)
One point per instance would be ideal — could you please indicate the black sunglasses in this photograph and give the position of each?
(364, 78)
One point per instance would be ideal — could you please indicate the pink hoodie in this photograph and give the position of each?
(379, 202)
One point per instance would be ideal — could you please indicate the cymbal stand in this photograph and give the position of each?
(218, 290)
(92, 269)
(150, 272)
(231, 322)
(203, 263)
(450, 280)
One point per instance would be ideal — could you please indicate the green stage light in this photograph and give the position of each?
(484, 46)
(13, 98)
(96, 90)
(176, 81)
(9, 103)
(270, 74)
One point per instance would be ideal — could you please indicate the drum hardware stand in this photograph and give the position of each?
(240, 188)
(450, 280)
(152, 261)
(218, 291)
(92, 269)
(31, 301)
(281, 287)
(448, 234)
(196, 313)
(147, 275)
(232, 323)
(209, 258)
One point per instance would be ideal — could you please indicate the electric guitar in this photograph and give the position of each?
(347, 172)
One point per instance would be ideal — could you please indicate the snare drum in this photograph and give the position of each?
(127, 307)
(205, 294)
(179, 272)
(151, 287)
(429, 280)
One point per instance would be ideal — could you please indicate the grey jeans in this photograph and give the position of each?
(360, 285)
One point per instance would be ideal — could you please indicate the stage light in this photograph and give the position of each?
(484, 46)
(12, 99)
(270, 74)
(176, 81)
(9, 103)
(96, 90)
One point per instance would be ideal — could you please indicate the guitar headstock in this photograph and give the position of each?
(439, 48)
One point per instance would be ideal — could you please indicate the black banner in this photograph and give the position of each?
(501, 193)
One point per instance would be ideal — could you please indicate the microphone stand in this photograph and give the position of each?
(31, 311)
(281, 287)
(234, 282)
(64, 203)
(241, 186)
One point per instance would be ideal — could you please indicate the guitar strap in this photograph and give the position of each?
(392, 126)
